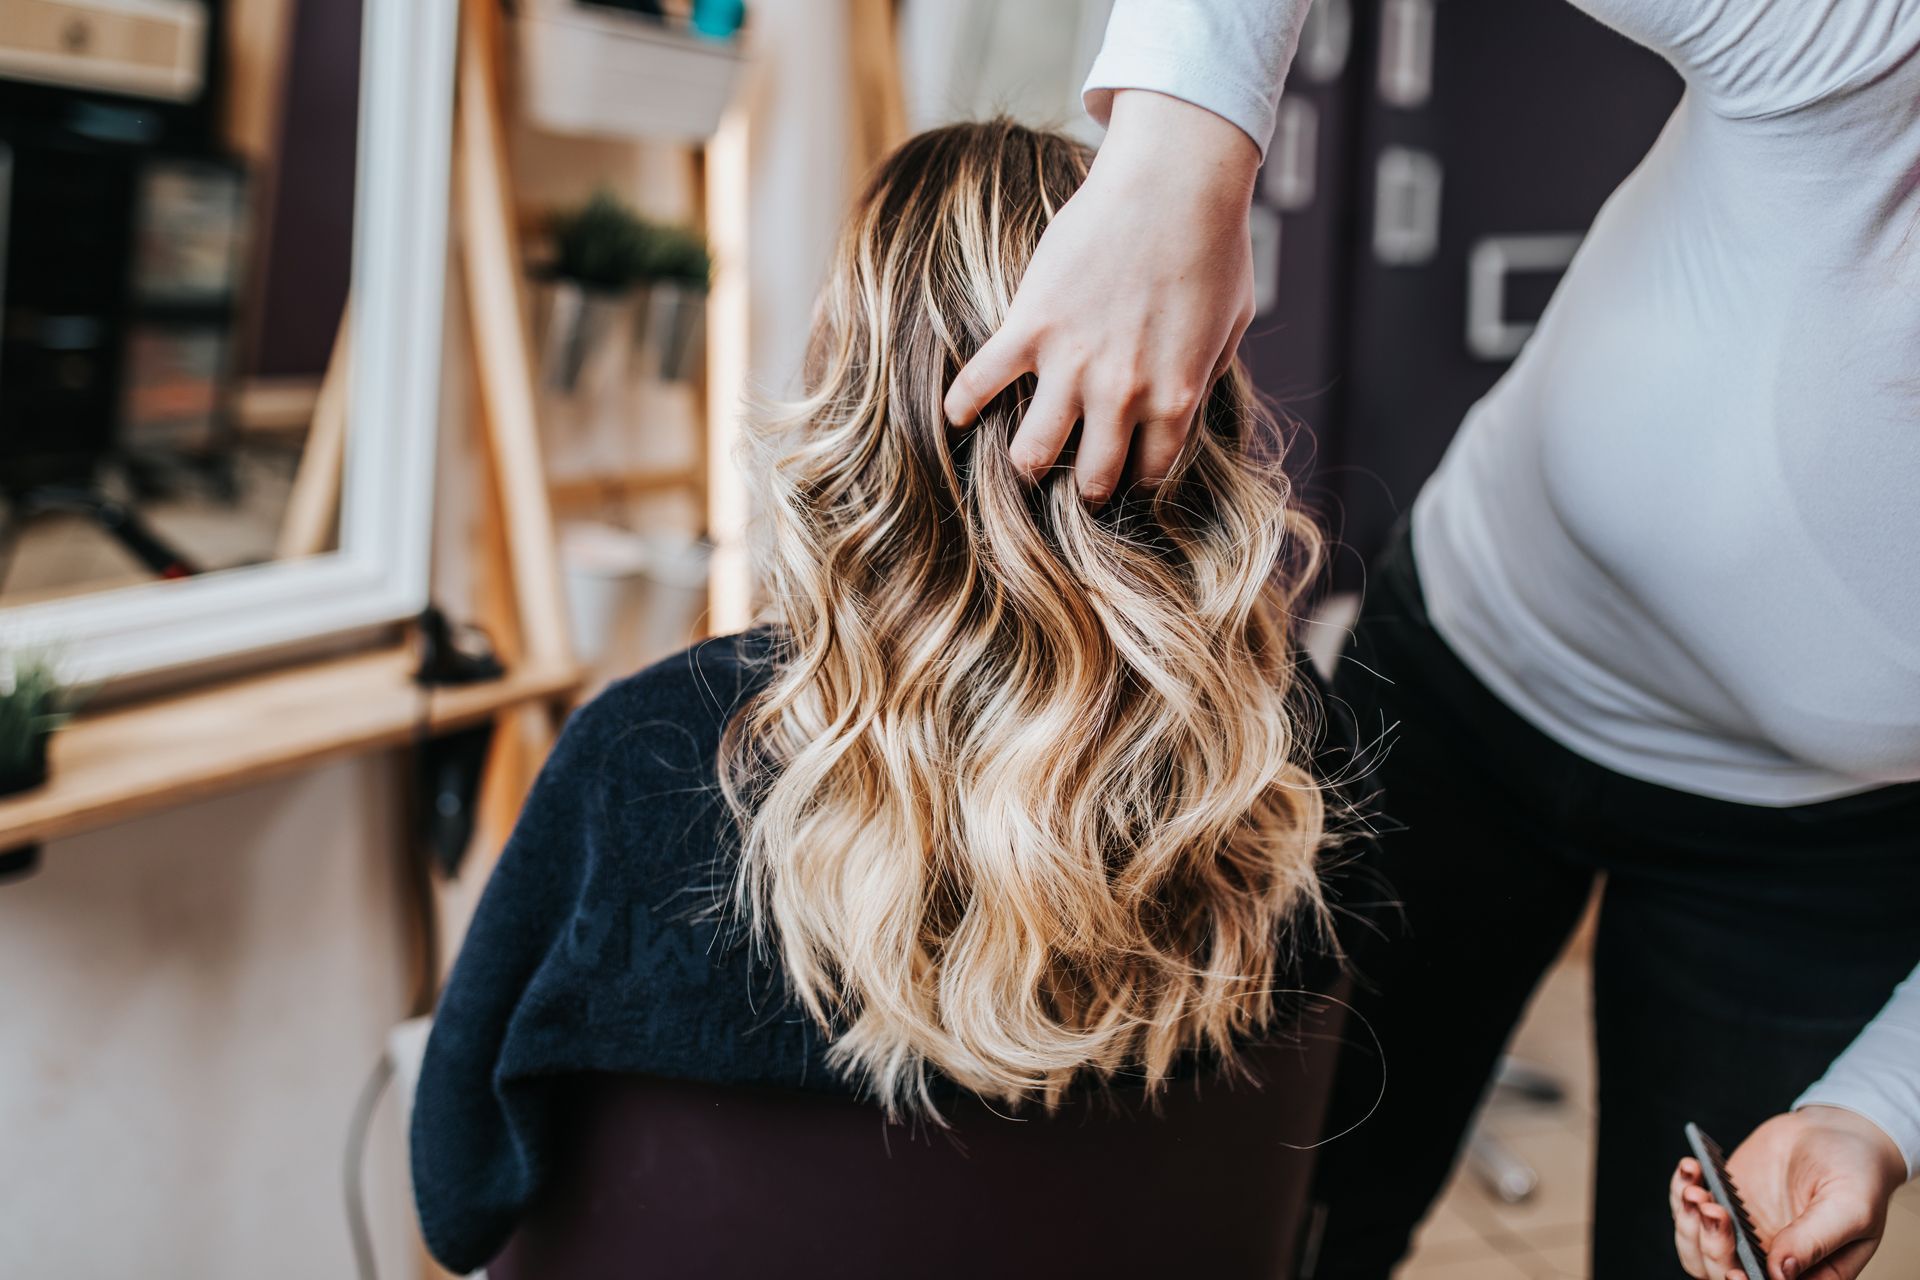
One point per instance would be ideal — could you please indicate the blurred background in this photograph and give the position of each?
(317, 313)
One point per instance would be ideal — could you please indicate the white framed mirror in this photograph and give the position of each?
(201, 440)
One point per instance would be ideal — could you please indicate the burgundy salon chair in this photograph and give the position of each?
(678, 1180)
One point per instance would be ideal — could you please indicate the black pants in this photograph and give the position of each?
(1740, 948)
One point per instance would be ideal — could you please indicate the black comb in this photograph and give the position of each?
(1713, 1166)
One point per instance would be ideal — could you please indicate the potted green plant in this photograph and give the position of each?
(34, 702)
(676, 270)
(600, 252)
(610, 266)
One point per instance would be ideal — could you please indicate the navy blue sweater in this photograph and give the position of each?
(601, 944)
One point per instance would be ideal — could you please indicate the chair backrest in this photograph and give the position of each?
(677, 1179)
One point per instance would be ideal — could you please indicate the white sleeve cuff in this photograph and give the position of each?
(1119, 68)
(1878, 1077)
(1227, 56)
(1870, 1105)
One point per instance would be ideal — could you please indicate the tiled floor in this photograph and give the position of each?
(1471, 1235)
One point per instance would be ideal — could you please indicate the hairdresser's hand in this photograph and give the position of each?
(1816, 1183)
(1135, 300)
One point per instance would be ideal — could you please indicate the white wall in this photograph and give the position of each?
(799, 181)
(965, 61)
(189, 1004)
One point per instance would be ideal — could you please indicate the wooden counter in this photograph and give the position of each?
(155, 754)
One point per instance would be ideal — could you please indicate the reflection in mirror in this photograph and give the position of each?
(177, 187)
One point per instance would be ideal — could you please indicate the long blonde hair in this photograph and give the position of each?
(1025, 795)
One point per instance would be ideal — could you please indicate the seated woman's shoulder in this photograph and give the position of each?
(670, 715)
(628, 815)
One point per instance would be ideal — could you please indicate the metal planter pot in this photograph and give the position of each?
(671, 331)
(580, 327)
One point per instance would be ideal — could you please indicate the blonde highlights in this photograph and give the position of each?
(1024, 797)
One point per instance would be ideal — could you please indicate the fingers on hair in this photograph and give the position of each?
(1106, 432)
(994, 368)
(1045, 426)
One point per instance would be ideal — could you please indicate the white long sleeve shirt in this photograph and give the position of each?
(1681, 536)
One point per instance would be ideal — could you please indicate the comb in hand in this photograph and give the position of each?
(1713, 1168)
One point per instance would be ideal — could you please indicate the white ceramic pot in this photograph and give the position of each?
(632, 598)
(677, 573)
(604, 569)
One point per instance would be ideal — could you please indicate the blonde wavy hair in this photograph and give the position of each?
(1026, 795)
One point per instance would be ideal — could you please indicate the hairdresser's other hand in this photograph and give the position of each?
(1135, 300)
(1816, 1183)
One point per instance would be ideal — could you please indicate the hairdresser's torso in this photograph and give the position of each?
(1682, 535)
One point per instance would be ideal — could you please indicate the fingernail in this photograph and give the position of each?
(1790, 1268)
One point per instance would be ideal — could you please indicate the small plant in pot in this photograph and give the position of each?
(607, 257)
(600, 252)
(677, 270)
(34, 703)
